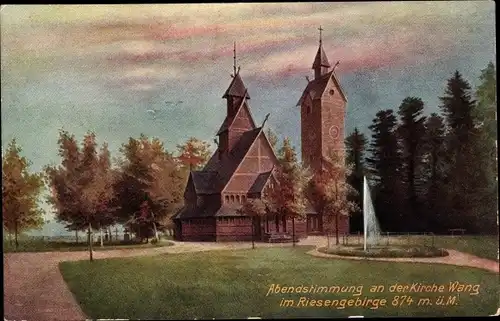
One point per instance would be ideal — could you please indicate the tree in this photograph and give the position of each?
(194, 154)
(434, 171)
(272, 137)
(464, 177)
(82, 186)
(356, 143)
(287, 197)
(329, 191)
(411, 133)
(255, 208)
(484, 115)
(20, 192)
(384, 167)
(147, 173)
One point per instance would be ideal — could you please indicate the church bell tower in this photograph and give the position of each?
(322, 113)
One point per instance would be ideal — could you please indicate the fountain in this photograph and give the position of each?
(371, 244)
(371, 228)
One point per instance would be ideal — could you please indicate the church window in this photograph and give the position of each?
(227, 198)
(232, 198)
(243, 198)
(309, 109)
(238, 199)
(332, 92)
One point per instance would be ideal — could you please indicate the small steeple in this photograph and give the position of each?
(321, 63)
(236, 88)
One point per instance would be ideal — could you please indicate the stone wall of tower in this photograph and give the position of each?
(310, 118)
(332, 121)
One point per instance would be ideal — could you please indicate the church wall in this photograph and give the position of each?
(234, 229)
(198, 229)
(249, 165)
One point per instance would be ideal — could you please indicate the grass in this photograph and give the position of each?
(485, 246)
(38, 245)
(394, 251)
(235, 284)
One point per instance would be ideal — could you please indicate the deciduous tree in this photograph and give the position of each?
(20, 192)
(194, 153)
(256, 209)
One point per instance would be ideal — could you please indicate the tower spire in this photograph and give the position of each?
(234, 59)
(320, 38)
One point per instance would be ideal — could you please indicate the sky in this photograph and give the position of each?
(102, 67)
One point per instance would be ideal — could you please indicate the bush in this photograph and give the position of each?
(154, 241)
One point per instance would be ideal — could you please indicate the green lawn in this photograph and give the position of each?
(38, 245)
(234, 284)
(485, 246)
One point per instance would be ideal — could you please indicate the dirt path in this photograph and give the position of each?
(34, 289)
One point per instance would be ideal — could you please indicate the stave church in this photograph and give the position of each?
(243, 165)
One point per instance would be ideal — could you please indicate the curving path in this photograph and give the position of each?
(34, 289)
(454, 258)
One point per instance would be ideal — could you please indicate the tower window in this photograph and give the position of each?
(332, 92)
(309, 109)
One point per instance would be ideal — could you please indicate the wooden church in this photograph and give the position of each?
(242, 167)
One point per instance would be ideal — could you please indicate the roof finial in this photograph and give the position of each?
(320, 30)
(234, 59)
(338, 63)
(265, 119)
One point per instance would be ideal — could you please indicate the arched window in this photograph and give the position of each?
(309, 109)
(232, 198)
(227, 198)
(243, 198)
(238, 199)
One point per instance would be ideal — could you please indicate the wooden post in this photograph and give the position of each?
(90, 242)
(359, 237)
(387, 238)
(116, 233)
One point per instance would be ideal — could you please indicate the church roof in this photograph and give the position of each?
(316, 87)
(236, 88)
(228, 121)
(260, 182)
(321, 60)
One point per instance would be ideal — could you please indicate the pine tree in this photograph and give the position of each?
(356, 144)
(463, 176)
(411, 131)
(434, 170)
(20, 192)
(485, 148)
(384, 166)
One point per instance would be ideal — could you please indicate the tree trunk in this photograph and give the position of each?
(15, 234)
(102, 237)
(90, 243)
(337, 228)
(109, 233)
(10, 238)
(253, 232)
(154, 226)
(328, 238)
(293, 230)
(76, 236)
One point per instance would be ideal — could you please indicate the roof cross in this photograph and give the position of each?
(320, 30)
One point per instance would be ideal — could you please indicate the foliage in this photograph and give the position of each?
(272, 137)
(194, 153)
(384, 166)
(147, 173)
(20, 192)
(328, 192)
(411, 133)
(356, 144)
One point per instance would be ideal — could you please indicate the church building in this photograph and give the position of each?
(243, 165)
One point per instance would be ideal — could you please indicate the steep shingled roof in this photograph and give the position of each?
(236, 88)
(321, 60)
(316, 87)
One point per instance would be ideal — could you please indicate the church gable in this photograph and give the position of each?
(243, 119)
